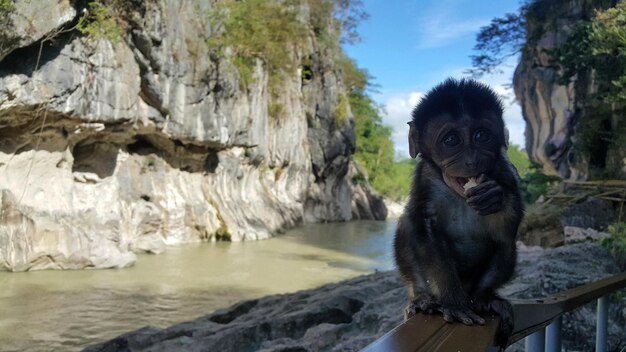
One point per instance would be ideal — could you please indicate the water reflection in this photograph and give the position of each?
(64, 311)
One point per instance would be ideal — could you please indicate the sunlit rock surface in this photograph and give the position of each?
(150, 141)
(350, 315)
(28, 25)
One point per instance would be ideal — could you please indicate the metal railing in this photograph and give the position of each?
(537, 320)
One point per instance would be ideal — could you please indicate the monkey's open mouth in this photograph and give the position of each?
(460, 184)
(461, 181)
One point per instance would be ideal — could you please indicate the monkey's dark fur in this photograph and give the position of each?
(453, 247)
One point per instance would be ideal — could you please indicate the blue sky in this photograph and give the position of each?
(410, 46)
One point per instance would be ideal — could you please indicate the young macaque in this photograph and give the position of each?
(455, 242)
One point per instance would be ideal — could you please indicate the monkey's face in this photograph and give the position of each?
(463, 146)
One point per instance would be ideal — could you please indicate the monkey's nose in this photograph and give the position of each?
(470, 165)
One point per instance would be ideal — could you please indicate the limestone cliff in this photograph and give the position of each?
(108, 147)
(552, 108)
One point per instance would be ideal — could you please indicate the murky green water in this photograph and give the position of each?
(65, 311)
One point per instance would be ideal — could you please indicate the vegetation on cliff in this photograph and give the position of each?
(7, 7)
(374, 147)
(101, 22)
(274, 31)
(594, 56)
(259, 29)
(108, 19)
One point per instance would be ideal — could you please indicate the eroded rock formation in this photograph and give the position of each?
(114, 147)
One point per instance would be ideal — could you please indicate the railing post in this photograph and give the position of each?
(553, 336)
(602, 319)
(536, 342)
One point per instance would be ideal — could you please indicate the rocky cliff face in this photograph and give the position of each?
(109, 148)
(551, 108)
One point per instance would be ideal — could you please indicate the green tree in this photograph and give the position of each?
(504, 37)
(599, 45)
(102, 22)
(535, 183)
(519, 159)
(374, 146)
(508, 35)
(259, 29)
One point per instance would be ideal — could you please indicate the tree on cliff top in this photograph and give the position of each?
(496, 42)
(507, 36)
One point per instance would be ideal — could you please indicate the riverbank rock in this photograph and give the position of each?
(550, 225)
(154, 139)
(349, 315)
(366, 203)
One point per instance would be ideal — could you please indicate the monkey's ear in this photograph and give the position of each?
(413, 150)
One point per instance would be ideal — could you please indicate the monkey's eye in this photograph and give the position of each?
(482, 136)
(451, 140)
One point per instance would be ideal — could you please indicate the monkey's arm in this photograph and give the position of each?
(502, 263)
(427, 267)
(499, 271)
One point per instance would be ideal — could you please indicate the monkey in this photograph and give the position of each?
(455, 243)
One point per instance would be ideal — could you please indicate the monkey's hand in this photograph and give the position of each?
(504, 309)
(486, 198)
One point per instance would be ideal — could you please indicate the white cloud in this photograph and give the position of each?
(440, 24)
(398, 110)
(441, 31)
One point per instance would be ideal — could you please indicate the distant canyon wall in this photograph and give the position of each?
(108, 148)
(552, 108)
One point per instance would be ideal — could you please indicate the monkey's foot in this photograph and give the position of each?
(423, 303)
(465, 315)
(427, 304)
(504, 309)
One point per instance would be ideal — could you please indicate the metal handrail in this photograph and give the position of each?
(431, 333)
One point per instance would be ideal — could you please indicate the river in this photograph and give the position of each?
(69, 310)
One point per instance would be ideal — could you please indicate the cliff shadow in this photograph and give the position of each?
(185, 157)
(99, 158)
(26, 60)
